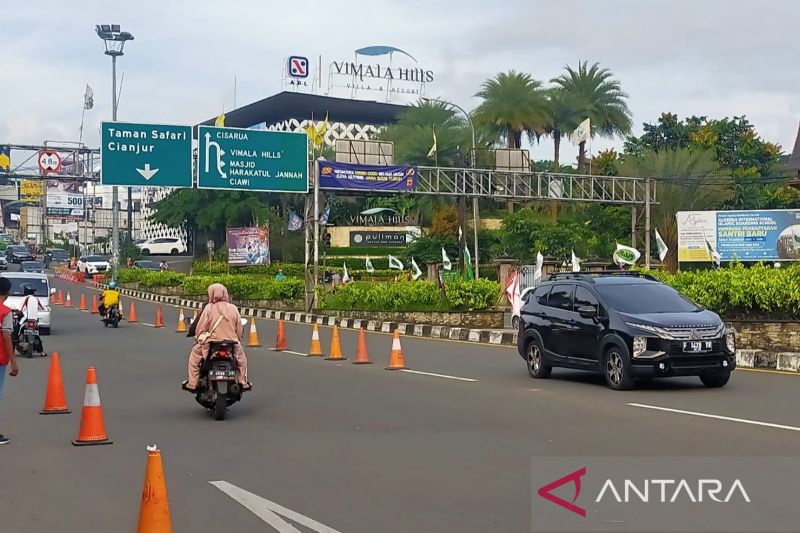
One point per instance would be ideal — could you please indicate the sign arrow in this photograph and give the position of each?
(147, 172)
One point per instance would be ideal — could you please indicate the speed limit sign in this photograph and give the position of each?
(49, 162)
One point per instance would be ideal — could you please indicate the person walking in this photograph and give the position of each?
(7, 357)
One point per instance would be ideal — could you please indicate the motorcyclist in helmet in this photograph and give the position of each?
(28, 310)
(109, 297)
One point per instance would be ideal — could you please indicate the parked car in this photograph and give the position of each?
(18, 253)
(32, 266)
(93, 264)
(42, 289)
(3, 263)
(163, 246)
(624, 325)
(56, 255)
(147, 265)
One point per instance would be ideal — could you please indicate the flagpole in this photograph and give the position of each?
(83, 114)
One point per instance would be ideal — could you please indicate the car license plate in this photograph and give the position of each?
(697, 346)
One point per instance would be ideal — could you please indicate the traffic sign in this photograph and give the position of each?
(252, 160)
(146, 155)
(49, 162)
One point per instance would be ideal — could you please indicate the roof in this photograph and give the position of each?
(303, 106)
(622, 277)
(794, 159)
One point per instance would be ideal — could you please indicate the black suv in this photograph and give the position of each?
(625, 325)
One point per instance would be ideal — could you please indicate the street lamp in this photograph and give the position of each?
(114, 41)
(472, 164)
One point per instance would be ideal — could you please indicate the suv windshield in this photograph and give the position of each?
(38, 283)
(58, 253)
(18, 249)
(644, 298)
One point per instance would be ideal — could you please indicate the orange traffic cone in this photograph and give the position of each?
(82, 304)
(154, 510)
(95, 309)
(132, 317)
(68, 302)
(280, 345)
(252, 338)
(336, 346)
(316, 347)
(362, 357)
(53, 299)
(60, 300)
(93, 429)
(181, 323)
(159, 318)
(396, 361)
(55, 401)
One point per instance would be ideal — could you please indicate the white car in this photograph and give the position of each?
(163, 246)
(42, 291)
(93, 264)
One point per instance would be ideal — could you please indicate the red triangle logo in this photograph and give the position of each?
(575, 479)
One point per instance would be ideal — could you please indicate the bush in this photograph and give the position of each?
(246, 287)
(150, 279)
(217, 267)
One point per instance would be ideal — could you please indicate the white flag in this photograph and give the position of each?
(88, 98)
(513, 293)
(715, 257)
(346, 276)
(446, 261)
(662, 246)
(537, 274)
(576, 262)
(368, 265)
(395, 263)
(415, 267)
(581, 133)
(626, 255)
(460, 233)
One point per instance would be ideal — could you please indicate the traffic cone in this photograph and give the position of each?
(55, 401)
(52, 299)
(95, 309)
(280, 345)
(93, 429)
(316, 347)
(336, 346)
(396, 361)
(154, 510)
(159, 318)
(132, 317)
(60, 300)
(252, 338)
(181, 323)
(68, 302)
(362, 357)
(82, 304)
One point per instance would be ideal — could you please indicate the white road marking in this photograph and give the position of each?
(148, 325)
(717, 417)
(294, 353)
(271, 512)
(445, 376)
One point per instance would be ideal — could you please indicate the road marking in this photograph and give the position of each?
(445, 376)
(293, 353)
(148, 325)
(717, 417)
(271, 512)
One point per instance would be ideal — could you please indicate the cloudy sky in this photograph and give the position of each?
(705, 57)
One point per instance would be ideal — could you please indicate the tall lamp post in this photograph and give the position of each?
(114, 41)
(472, 164)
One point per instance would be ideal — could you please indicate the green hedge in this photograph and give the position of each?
(220, 267)
(147, 278)
(246, 287)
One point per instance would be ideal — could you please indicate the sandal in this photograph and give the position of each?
(184, 386)
(247, 386)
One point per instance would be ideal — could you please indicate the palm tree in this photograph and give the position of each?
(563, 114)
(513, 103)
(599, 97)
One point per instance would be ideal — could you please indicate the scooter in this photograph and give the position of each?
(28, 342)
(112, 317)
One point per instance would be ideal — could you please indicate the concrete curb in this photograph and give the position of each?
(782, 361)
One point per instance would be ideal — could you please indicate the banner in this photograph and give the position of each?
(739, 235)
(371, 177)
(31, 190)
(64, 199)
(248, 246)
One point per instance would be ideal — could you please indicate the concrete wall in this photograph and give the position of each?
(777, 336)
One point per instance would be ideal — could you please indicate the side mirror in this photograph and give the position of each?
(587, 311)
(52, 291)
(244, 321)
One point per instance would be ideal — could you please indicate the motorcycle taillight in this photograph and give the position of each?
(223, 354)
(31, 323)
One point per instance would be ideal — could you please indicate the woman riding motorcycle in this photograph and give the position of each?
(228, 328)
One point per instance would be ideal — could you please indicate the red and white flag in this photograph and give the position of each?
(512, 291)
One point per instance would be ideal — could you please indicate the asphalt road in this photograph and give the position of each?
(356, 448)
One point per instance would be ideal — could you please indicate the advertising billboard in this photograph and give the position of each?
(248, 246)
(739, 235)
(398, 178)
(64, 199)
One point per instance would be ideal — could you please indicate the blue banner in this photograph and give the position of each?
(369, 177)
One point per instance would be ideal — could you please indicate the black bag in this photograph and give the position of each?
(192, 328)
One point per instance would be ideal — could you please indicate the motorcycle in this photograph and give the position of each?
(218, 388)
(112, 317)
(27, 340)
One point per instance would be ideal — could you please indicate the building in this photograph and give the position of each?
(794, 160)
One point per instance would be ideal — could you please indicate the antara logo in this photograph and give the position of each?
(574, 478)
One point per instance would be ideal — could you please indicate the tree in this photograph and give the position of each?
(563, 116)
(513, 103)
(445, 222)
(598, 96)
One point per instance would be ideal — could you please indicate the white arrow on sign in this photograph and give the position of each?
(147, 172)
(271, 512)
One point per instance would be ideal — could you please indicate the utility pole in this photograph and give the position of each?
(647, 222)
(114, 189)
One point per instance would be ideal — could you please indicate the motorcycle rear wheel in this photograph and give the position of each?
(220, 407)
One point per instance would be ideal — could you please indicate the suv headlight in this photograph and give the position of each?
(639, 346)
(730, 341)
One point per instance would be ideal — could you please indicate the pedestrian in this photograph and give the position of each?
(164, 266)
(130, 262)
(280, 276)
(335, 279)
(6, 348)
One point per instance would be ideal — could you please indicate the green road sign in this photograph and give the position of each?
(252, 160)
(146, 155)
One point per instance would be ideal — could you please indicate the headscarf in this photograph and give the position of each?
(217, 292)
(217, 303)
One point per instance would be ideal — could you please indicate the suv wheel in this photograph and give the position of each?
(715, 380)
(145, 252)
(536, 366)
(617, 369)
(174, 251)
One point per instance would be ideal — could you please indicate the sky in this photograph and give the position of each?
(715, 57)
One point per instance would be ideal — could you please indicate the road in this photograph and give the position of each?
(356, 448)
